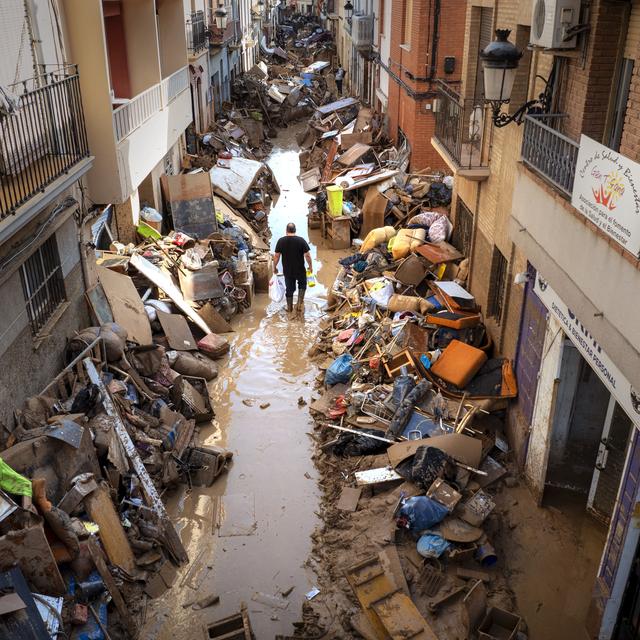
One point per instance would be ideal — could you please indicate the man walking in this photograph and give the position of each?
(339, 78)
(294, 250)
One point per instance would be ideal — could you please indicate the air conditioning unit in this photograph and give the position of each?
(550, 21)
(362, 31)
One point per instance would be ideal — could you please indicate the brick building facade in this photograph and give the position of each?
(571, 427)
(425, 42)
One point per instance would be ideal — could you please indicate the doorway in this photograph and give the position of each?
(590, 436)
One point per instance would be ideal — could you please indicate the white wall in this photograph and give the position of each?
(586, 272)
(141, 151)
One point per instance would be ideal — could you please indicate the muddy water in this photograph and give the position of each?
(265, 505)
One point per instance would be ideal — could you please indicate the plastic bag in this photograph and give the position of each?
(432, 546)
(277, 288)
(420, 513)
(380, 291)
(340, 370)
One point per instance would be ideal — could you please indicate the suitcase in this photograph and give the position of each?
(458, 363)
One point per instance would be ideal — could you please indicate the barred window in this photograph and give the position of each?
(498, 285)
(42, 284)
(462, 229)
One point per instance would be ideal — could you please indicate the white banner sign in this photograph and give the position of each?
(591, 351)
(607, 191)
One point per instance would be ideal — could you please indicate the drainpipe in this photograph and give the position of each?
(434, 43)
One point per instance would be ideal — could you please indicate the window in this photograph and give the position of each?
(43, 284)
(620, 103)
(498, 285)
(484, 36)
(406, 24)
(463, 229)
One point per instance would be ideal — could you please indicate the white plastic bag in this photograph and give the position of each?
(277, 288)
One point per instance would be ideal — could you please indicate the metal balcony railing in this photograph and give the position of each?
(42, 135)
(460, 127)
(548, 152)
(362, 32)
(196, 33)
(128, 117)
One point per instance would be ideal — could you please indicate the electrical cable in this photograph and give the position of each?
(68, 202)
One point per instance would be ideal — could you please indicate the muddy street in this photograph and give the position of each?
(266, 505)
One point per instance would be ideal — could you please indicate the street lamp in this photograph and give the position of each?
(221, 18)
(500, 60)
(348, 7)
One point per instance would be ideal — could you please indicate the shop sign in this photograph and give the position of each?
(606, 190)
(591, 351)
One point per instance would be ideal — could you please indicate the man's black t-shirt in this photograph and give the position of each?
(292, 250)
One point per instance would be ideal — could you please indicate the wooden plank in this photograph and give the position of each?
(126, 305)
(460, 447)
(373, 210)
(349, 498)
(177, 330)
(390, 561)
(152, 497)
(191, 199)
(164, 281)
(114, 539)
(99, 561)
(211, 316)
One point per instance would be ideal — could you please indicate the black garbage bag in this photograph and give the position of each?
(404, 411)
(426, 465)
(439, 194)
(350, 444)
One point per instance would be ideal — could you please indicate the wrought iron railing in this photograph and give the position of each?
(129, 116)
(460, 127)
(42, 135)
(549, 152)
(196, 32)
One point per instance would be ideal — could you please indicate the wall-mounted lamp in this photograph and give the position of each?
(500, 60)
(220, 15)
(348, 7)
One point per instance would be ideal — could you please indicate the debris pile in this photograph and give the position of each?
(410, 433)
(361, 179)
(83, 527)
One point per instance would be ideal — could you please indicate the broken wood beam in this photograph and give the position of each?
(172, 538)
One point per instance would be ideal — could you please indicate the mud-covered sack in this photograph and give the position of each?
(421, 513)
(340, 370)
(113, 336)
(148, 362)
(192, 364)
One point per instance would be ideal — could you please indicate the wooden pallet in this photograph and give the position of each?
(234, 627)
(392, 613)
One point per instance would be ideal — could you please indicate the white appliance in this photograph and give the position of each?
(550, 21)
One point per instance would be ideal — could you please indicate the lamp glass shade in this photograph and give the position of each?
(348, 6)
(498, 83)
(221, 17)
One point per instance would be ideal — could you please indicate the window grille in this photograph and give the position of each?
(43, 284)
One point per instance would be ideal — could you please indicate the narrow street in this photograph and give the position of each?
(269, 497)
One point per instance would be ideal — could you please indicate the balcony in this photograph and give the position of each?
(144, 130)
(42, 140)
(219, 37)
(362, 32)
(196, 33)
(459, 134)
(548, 152)
(128, 117)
